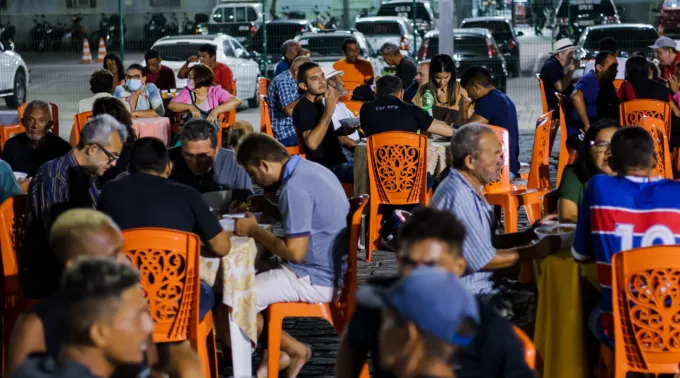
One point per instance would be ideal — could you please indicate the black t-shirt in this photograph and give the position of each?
(495, 351)
(142, 200)
(51, 311)
(306, 116)
(44, 366)
(22, 158)
(389, 113)
(406, 71)
(552, 72)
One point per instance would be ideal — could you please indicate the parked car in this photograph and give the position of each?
(278, 32)
(505, 36)
(572, 16)
(177, 49)
(239, 20)
(326, 47)
(380, 30)
(471, 47)
(13, 78)
(669, 17)
(426, 18)
(630, 38)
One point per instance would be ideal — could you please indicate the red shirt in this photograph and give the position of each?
(225, 78)
(667, 71)
(164, 79)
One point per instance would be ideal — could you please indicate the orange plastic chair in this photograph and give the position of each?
(631, 112)
(354, 106)
(168, 265)
(336, 313)
(617, 84)
(541, 87)
(8, 131)
(644, 295)
(79, 120)
(567, 155)
(263, 85)
(55, 116)
(12, 233)
(234, 88)
(397, 175)
(655, 127)
(265, 120)
(528, 345)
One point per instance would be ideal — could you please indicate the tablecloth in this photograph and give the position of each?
(561, 330)
(436, 164)
(158, 127)
(235, 275)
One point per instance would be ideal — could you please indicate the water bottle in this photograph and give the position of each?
(427, 101)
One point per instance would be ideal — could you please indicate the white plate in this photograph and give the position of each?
(567, 237)
(20, 175)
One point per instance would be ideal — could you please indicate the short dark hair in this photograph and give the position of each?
(258, 147)
(602, 56)
(151, 54)
(431, 223)
(608, 44)
(148, 154)
(302, 71)
(135, 66)
(199, 129)
(101, 81)
(286, 45)
(208, 48)
(92, 289)
(388, 85)
(115, 107)
(631, 147)
(584, 167)
(203, 75)
(347, 42)
(637, 67)
(477, 75)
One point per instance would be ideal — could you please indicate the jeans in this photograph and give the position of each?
(206, 300)
(289, 141)
(344, 172)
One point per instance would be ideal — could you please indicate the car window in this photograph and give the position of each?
(251, 14)
(239, 14)
(463, 45)
(240, 51)
(178, 52)
(228, 50)
(405, 10)
(332, 45)
(500, 30)
(228, 15)
(628, 40)
(671, 3)
(590, 8)
(379, 28)
(218, 15)
(277, 34)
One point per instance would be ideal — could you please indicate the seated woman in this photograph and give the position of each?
(202, 99)
(116, 109)
(592, 159)
(451, 102)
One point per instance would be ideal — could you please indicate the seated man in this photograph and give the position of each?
(405, 67)
(201, 164)
(312, 118)
(390, 113)
(156, 73)
(101, 82)
(144, 98)
(290, 50)
(432, 237)
(422, 77)
(426, 317)
(357, 71)
(477, 159)
(282, 96)
(558, 70)
(27, 151)
(62, 184)
(622, 212)
(342, 116)
(493, 107)
(207, 55)
(315, 240)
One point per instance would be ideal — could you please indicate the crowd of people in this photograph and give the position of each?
(444, 315)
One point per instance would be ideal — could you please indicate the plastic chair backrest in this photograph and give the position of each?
(632, 111)
(13, 228)
(55, 116)
(79, 120)
(234, 84)
(646, 301)
(265, 120)
(655, 127)
(563, 159)
(397, 167)
(541, 87)
(503, 183)
(539, 172)
(7, 132)
(168, 264)
(354, 106)
(263, 85)
(617, 84)
(528, 345)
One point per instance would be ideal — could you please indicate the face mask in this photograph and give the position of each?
(190, 85)
(134, 84)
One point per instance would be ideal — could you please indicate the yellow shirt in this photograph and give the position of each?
(355, 74)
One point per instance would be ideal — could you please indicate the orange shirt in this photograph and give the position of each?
(355, 74)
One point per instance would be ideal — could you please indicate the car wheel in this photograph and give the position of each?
(255, 101)
(18, 96)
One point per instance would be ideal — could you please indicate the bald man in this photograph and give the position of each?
(282, 97)
(422, 77)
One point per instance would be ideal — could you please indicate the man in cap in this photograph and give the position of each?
(553, 75)
(342, 116)
(426, 316)
(666, 52)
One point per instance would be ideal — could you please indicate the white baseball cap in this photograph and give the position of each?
(563, 44)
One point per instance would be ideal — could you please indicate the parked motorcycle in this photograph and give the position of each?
(195, 26)
(154, 29)
(75, 34)
(37, 33)
(7, 34)
(109, 29)
(172, 27)
(333, 22)
(320, 20)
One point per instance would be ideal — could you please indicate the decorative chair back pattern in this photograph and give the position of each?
(503, 183)
(397, 167)
(263, 85)
(55, 116)
(631, 112)
(539, 173)
(655, 127)
(168, 265)
(646, 299)
(541, 87)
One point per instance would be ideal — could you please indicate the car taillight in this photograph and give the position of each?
(403, 45)
(253, 29)
(422, 52)
(511, 44)
(561, 21)
(491, 48)
(609, 20)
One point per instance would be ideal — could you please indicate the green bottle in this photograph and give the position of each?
(427, 101)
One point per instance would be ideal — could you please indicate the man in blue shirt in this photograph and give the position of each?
(282, 96)
(493, 107)
(313, 208)
(594, 97)
(553, 74)
(290, 50)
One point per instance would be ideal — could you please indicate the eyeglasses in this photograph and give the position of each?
(600, 146)
(110, 155)
(407, 260)
(135, 77)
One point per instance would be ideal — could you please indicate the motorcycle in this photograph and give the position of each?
(76, 32)
(320, 20)
(173, 26)
(109, 30)
(154, 29)
(7, 33)
(37, 33)
(333, 22)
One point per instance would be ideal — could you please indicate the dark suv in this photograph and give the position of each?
(425, 16)
(278, 32)
(572, 16)
(471, 47)
(505, 36)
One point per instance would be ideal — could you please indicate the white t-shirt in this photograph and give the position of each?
(342, 112)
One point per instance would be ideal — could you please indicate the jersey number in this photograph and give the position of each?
(654, 233)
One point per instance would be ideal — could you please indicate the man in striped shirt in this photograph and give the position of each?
(477, 159)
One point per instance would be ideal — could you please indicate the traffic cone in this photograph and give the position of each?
(102, 51)
(87, 56)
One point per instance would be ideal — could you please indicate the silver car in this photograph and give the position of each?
(383, 29)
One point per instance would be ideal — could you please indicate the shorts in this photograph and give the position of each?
(281, 284)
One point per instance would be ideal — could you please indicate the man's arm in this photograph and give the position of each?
(347, 142)
(28, 336)
(440, 128)
(510, 257)
(184, 71)
(288, 109)
(220, 244)
(579, 104)
(478, 119)
(292, 249)
(314, 137)
(565, 82)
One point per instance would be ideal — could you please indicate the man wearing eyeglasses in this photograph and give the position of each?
(62, 184)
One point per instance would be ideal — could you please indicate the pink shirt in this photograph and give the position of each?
(216, 96)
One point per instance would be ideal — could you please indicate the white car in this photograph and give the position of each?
(175, 51)
(13, 78)
(382, 29)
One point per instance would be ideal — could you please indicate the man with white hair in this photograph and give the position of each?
(406, 69)
(422, 77)
(553, 75)
(290, 50)
(66, 183)
(342, 116)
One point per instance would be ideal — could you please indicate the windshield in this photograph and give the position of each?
(277, 34)
(591, 8)
(627, 39)
(379, 28)
(500, 30)
(178, 52)
(404, 10)
(671, 3)
(463, 45)
(328, 46)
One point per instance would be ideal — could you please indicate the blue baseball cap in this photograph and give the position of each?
(432, 298)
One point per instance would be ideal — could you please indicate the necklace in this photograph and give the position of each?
(201, 98)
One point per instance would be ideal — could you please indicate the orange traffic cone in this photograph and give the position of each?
(102, 51)
(87, 56)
